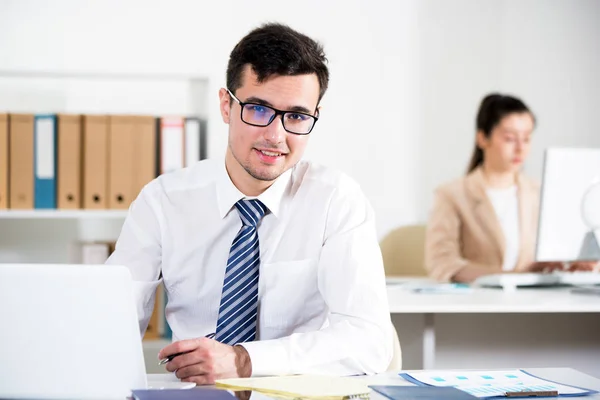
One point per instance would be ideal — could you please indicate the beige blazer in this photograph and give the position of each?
(463, 228)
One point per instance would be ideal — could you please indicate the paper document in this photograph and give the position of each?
(306, 386)
(486, 384)
(431, 287)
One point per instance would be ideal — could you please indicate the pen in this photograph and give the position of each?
(172, 356)
(531, 393)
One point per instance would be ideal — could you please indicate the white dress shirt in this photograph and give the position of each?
(322, 297)
(506, 206)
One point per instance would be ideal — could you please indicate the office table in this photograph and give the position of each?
(568, 376)
(494, 328)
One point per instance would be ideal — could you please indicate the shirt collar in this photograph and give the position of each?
(228, 194)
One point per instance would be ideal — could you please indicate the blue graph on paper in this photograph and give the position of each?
(484, 384)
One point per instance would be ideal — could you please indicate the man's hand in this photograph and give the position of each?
(206, 360)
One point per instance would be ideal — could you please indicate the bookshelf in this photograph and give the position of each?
(52, 236)
(47, 235)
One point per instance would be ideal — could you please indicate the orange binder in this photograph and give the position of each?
(122, 156)
(69, 162)
(20, 179)
(145, 145)
(95, 161)
(3, 161)
(153, 329)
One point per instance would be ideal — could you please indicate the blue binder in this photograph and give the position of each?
(182, 394)
(44, 162)
(421, 393)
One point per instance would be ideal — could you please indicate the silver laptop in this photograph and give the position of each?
(68, 332)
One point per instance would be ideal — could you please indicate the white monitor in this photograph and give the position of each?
(569, 219)
(68, 332)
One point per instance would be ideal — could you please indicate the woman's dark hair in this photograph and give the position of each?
(276, 49)
(493, 108)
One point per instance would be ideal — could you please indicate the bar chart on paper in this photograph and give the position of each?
(486, 384)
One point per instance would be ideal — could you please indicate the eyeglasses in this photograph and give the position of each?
(295, 122)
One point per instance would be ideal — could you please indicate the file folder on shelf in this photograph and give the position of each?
(193, 141)
(95, 162)
(45, 162)
(69, 162)
(21, 171)
(153, 330)
(3, 161)
(145, 145)
(171, 144)
(122, 156)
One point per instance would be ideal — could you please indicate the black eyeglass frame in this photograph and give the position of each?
(277, 112)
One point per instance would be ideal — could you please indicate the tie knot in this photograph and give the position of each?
(251, 211)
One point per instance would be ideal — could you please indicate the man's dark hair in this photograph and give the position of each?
(276, 49)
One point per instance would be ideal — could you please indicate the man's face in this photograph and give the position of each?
(256, 155)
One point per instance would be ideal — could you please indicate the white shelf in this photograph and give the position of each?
(63, 214)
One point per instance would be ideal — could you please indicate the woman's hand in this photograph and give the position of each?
(584, 266)
(546, 266)
(550, 266)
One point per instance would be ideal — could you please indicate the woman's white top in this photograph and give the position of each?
(506, 206)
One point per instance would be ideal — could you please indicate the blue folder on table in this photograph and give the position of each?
(182, 394)
(421, 392)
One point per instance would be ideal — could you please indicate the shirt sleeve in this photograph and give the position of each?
(139, 249)
(358, 338)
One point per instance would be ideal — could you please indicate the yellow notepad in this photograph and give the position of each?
(301, 386)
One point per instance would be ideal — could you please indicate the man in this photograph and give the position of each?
(271, 264)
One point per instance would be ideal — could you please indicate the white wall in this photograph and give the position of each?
(406, 76)
(545, 51)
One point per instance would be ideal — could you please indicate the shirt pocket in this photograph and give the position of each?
(289, 290)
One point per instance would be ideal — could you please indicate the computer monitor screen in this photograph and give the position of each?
(569, 219)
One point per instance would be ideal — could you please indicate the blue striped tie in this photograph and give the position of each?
(239, 299)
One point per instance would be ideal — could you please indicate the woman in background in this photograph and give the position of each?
(486, 222)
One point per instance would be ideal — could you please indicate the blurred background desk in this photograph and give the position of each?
(492, 328)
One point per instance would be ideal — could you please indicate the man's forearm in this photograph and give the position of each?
(339, 349)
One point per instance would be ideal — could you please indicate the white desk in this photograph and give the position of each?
(566, 376)
(491, 328)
